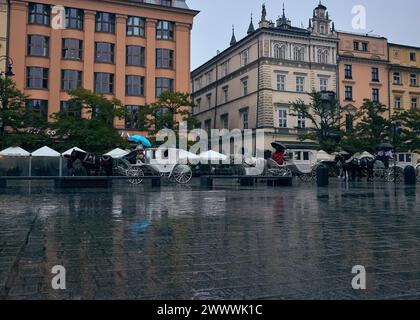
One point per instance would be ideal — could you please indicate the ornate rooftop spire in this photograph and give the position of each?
(251, 28)
(233, 39)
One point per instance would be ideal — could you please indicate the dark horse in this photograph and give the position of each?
(93, 162)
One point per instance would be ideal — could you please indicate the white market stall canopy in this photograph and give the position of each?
(212, 156)
(68, 152)
(324, 156)
(14, 152)
(45, 152)
(117, 153)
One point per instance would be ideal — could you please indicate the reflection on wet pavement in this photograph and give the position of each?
(222, 243)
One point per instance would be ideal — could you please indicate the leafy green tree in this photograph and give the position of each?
(19, 126)
(88, 122)
(408, 137)
(372, 128)
(324, 114)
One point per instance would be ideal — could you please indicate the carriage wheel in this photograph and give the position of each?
(280, 172)
(137, 173)
(418, 173)
(120, 167)
(396, 175)
(306, 177)
(182, 174)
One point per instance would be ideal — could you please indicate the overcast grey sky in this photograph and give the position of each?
(399, 21)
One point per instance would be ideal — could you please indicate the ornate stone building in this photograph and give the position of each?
(251, 84)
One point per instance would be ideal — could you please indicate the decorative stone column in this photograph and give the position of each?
(265, 108)
(151, 60)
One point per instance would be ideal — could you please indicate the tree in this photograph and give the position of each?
(372, 128)
(88, 122)
(168, 111)
(20, 126)
(409, 137)
(324, 114)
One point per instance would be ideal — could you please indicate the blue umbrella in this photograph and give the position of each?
(139, 139)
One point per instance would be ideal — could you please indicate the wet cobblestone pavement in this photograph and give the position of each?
(222, 243)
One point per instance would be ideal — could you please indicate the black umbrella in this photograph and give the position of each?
(385, 146)
(278, 146)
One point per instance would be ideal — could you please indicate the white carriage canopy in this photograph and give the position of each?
(324, 156)
(212, 156)
(117, 153)
(45, 162)
(14, 161)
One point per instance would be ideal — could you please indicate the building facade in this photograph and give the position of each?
(362, 73)
(252, 84)
(3, 32)
(404, 77)
(130, 50)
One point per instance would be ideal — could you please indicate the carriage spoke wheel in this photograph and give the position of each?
(182, 174)
(280, 172)
(137, 175)
(306, 177)
(395, 175)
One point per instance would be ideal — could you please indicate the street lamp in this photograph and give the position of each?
(9, 70)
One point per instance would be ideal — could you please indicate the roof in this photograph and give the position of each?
(14, 152)
(403, 46)
(68, 152)
(45, 152)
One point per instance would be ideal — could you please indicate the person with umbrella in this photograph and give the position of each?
(385, 153)
(279, 154)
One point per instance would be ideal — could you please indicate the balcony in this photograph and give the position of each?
(181, 4)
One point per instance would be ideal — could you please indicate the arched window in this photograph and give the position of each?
(279, 51)
(299, 53)
(323, 56)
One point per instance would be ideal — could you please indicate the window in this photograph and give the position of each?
(38, 106)
(164, 85)
(104, 52)
(198, 104)
(413, 56)
(348, 71)
(323, 84)
(299, 53)
(349, 122)
(198, 83)
(300, 84)
(134, 86)
(39, 14)
(209, 76)
(165, 30)
(244, 82)
(301, 122)
(397, 78)
(414, 103)
(244, 58)
(356, 45)
(364, 46)
(375, 74)
(224, 120)
(397, 103)
(323, 56)
(72, 49)
(104, 82)
(38, 46)
(135, 56)
(349, 93)
(279, 51)
(105, 22)
(71, 79)
(136, 26)
(37, 78)
(225, 94)
(281, 82)
(413, 80)
(282, 117)
(164, 58)
(208, 100)
(245, 119)
(167, 3)
(375, 95)
(70, 110)
(207, 125)
(225, 68)
(74, 18)
(133, 119)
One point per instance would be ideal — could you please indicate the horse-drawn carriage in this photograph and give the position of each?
(170, 163)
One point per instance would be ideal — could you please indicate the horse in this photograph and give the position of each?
(344, 166)
(91, 161)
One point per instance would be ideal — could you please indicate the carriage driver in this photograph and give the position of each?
(141, 154)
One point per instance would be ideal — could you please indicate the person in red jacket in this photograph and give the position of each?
(278, 157)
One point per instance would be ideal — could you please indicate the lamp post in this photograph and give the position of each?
(4, 95)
